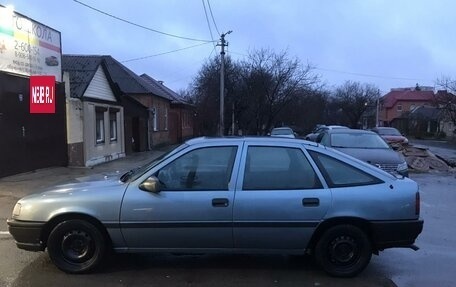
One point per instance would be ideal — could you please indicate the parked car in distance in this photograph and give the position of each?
(366, 146)
(285, 132)
(239, 195)
(391, 135)
(321, 128)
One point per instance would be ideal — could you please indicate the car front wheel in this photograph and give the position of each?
(343, 251)
(76, 246)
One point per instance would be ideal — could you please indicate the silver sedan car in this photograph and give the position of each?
(367, 146)
(239, 195)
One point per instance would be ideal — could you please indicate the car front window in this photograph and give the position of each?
(390, 132)
(200, 169)
(281, 132)
(133, 174)
(365, 141)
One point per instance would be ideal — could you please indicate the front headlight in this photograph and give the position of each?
(402, 166)
(17, 210)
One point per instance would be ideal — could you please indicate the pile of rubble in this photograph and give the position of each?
(422, 160)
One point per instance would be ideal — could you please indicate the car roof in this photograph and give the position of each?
(335, 127)
(237, 139)
(386, 128)
(350, 131)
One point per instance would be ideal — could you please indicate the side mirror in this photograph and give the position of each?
(151, 184)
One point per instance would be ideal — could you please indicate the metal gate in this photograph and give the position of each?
(29, 141)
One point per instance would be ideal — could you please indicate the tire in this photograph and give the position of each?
(76, 246)
(343, 251)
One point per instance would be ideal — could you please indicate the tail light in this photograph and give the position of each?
(417, 203)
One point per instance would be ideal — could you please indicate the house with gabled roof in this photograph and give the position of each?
(401, 100)
(145, 108)
(95, 115)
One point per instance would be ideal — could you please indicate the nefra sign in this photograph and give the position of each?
(42, 94)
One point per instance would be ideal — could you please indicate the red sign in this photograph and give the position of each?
(42, 94)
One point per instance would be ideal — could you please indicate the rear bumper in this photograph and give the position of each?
(27, 234)
(389, 234)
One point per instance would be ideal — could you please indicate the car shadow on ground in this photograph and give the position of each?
(194, 270)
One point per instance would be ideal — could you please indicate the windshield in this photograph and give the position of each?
(358, 141)
(137, 172)
(389, 132)
(281, 132)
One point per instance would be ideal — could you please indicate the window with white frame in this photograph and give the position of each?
(155, 118)
(399, 108)
(113, 125)
(99, 125)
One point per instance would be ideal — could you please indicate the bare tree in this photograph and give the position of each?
(306, 111)
(446, 99)
(205, 93)
(272, 81)
(353, 99)
(258, 92)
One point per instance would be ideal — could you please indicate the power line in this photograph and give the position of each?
(237, 53)
(207, 20)
(138, 25)
(211, 53)
(212, 16)
(369, 75)
(164, 53)
(189, 75)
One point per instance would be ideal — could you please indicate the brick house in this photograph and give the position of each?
(181, 114)
(399, 101)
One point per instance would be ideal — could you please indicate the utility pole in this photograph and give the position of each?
(376, 109)
(223, 44)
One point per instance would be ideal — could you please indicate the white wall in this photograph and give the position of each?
(74, 114)
(99, 87)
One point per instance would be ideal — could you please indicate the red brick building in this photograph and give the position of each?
(398, 101)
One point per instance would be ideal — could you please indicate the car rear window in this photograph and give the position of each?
(341, 174)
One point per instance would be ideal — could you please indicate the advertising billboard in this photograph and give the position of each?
(28, 47)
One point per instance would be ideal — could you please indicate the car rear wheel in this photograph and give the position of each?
(343, 251)
(76, 246)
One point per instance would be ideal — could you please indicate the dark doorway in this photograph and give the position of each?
(136, 134)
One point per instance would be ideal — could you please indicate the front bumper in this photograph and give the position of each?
(389, 234)
(27, 234)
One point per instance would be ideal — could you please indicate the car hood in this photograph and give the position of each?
(374, 156)
(99, 196)
(82, 186)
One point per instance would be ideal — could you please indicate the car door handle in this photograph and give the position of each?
(312, 201)
(220, 202)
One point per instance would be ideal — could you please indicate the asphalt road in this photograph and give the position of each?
(433, 265)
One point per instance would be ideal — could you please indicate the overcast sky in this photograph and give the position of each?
(386, 43)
